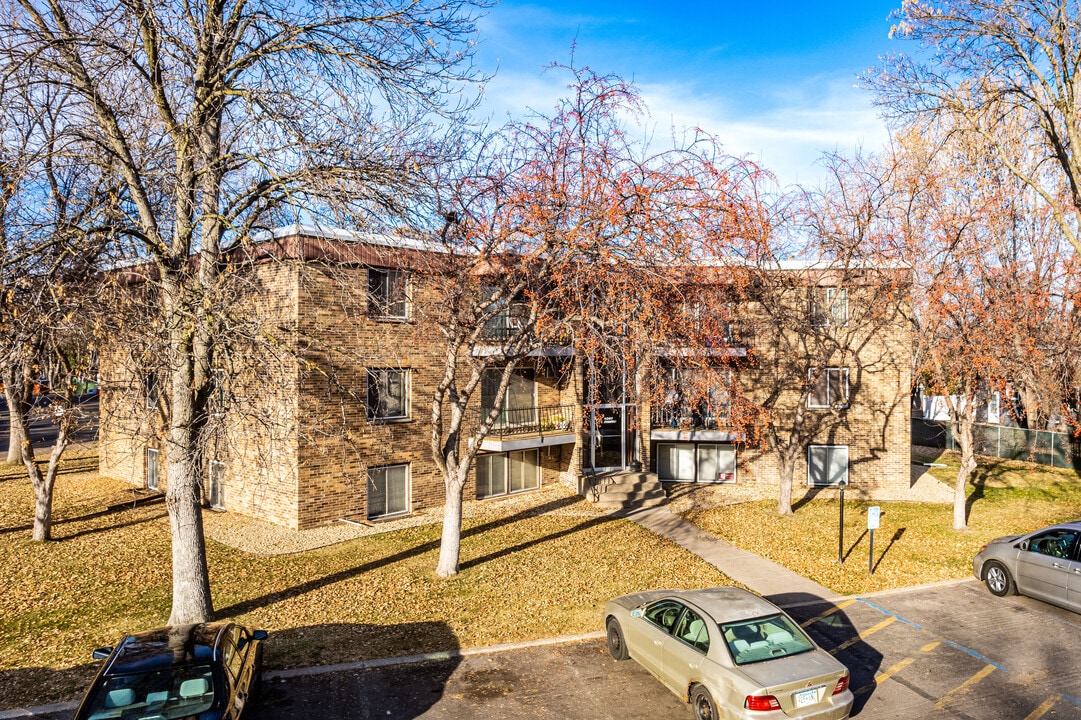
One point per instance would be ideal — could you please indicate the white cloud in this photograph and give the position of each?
(784, 128)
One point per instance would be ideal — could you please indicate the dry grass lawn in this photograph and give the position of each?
(915, 542)
(529, 574)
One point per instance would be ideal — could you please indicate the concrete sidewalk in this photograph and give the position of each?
(778, 584)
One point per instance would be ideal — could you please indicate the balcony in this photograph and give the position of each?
(506, 323)
(528, 427)
(685, 423)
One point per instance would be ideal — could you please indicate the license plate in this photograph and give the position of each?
(806, 697)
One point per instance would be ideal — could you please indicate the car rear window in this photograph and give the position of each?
(175, 692)
(765, 638)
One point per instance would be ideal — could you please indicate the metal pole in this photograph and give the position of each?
(871, 555)
(841, 530)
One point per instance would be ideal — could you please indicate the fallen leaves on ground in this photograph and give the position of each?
(523, 576)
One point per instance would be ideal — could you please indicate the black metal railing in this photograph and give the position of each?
(553, 419)
(506, 323)
(682, 417)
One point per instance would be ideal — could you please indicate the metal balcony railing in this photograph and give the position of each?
(548, 420)
(688, 418)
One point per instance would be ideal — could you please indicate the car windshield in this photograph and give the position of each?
(174, 692)
(764, 638)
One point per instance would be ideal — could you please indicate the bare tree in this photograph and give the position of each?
(222, 118)
(1004, 72)
(51, 209)
(573, 237)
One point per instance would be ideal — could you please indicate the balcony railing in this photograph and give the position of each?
(505, 324)
(736, 335)
(549, 420)
(687, 418)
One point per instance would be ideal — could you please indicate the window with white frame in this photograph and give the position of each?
(690, 462)
(151, 468)
(388, 394)
(827, 464)
(506, 473)
(388, 293)
(829, 387)
(828, 306)
(215, 485)
(388, 490)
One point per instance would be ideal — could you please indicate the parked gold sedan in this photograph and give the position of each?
(729, 653)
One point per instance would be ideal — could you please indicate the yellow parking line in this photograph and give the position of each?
(835, 608)
(971, 681)
(930, 646)
(885, 675)
(862, 635)
(1042, 710)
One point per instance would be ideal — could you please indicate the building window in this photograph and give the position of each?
(388, 491)
(151, 389)
(217, 392)
(388, 295)
(506, 473)
(828, 306)
(519, 402)
(215, 481)
(388, 394)
(151, 469)
(829, 387)
(827, 464)
(689, 462)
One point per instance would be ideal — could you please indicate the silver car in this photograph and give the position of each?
(1043, 564)
(729, 653)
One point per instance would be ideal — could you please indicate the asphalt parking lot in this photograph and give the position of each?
(951, 651)
(943, 652)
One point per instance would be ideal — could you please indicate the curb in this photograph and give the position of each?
(40, 710)
(427, 657)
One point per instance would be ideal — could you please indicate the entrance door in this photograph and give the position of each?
(611, 444)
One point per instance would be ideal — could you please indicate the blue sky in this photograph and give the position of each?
(774, 80)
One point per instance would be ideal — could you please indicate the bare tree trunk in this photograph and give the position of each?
(451, 543)
(192, 602)
(964, 436)
(787, 468)
(17, 392)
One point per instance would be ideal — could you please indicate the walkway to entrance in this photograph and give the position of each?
(765, 577)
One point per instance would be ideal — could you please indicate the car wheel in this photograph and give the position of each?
(617, 648)
(998, 580)
(702, 704)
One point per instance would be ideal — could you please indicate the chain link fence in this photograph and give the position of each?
(1037, 446)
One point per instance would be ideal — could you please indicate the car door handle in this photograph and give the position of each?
(1056, 565)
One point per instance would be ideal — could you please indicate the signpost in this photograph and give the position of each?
(841, 524)
(874, 514)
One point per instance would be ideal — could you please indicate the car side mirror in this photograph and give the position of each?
(259, 635)
(101, 653)
(1023, 545)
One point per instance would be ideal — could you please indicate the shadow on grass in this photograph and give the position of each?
(979, 491)
(262, 601)
(111, 510)
(36, 686)
(109, 528)
(831, 628)
(398, 691)
(896, 536)
(854, 544)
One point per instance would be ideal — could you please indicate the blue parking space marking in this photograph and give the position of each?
(1075, 701)
(952, 644)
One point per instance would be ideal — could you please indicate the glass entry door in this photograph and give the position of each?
(611, 443)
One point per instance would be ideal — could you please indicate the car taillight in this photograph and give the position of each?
(761, 702)
(982, 548)
(841, 685)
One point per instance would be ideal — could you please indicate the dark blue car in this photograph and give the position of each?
(206, 671)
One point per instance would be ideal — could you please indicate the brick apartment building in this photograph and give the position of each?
(335, 425)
